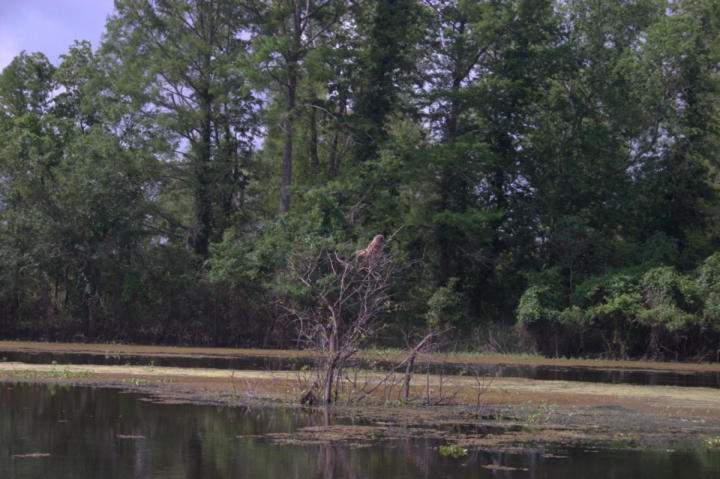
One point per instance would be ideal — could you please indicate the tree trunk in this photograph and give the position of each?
(287, 152)
(203, 182)
(446, 188)
(314, 159)
(408, 376)
(334, 162)
(329, 377)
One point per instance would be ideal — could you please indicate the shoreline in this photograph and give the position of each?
(482, 413)
(191, 352)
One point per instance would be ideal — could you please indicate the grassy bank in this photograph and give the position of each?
(393, 355)
(500, 413)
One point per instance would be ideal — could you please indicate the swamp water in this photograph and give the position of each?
(81, 432)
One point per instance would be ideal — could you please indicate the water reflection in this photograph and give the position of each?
(74, 432)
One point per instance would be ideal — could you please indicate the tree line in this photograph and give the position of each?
(544, 172)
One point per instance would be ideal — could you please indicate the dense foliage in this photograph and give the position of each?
(543, 167)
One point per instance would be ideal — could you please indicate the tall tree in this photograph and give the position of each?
(75, 194)
(287, 31)
(466, 34)
(678, 76)
(179, 62)
(580, 150)
(28, 150)
(483, 63)
(391, 30)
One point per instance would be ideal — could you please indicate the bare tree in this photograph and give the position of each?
(343, 299)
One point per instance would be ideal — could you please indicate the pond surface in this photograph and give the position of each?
(708, 379)
(80, 432)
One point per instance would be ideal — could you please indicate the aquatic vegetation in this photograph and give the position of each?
(137, 381)
(713, 442)
(453, 450)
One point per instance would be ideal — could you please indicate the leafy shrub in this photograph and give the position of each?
(664, 286)
(656, 312)
(543, 299)
(446, 306)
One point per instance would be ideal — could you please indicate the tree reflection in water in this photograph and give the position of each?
(90, 433)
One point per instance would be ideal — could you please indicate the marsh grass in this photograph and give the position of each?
(137, 382)
(62, 374)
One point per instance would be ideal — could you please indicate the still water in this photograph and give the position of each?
(79, 432)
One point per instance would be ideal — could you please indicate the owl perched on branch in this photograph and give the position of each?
(376, 246)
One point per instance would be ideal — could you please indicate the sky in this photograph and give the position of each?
(49, 26)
